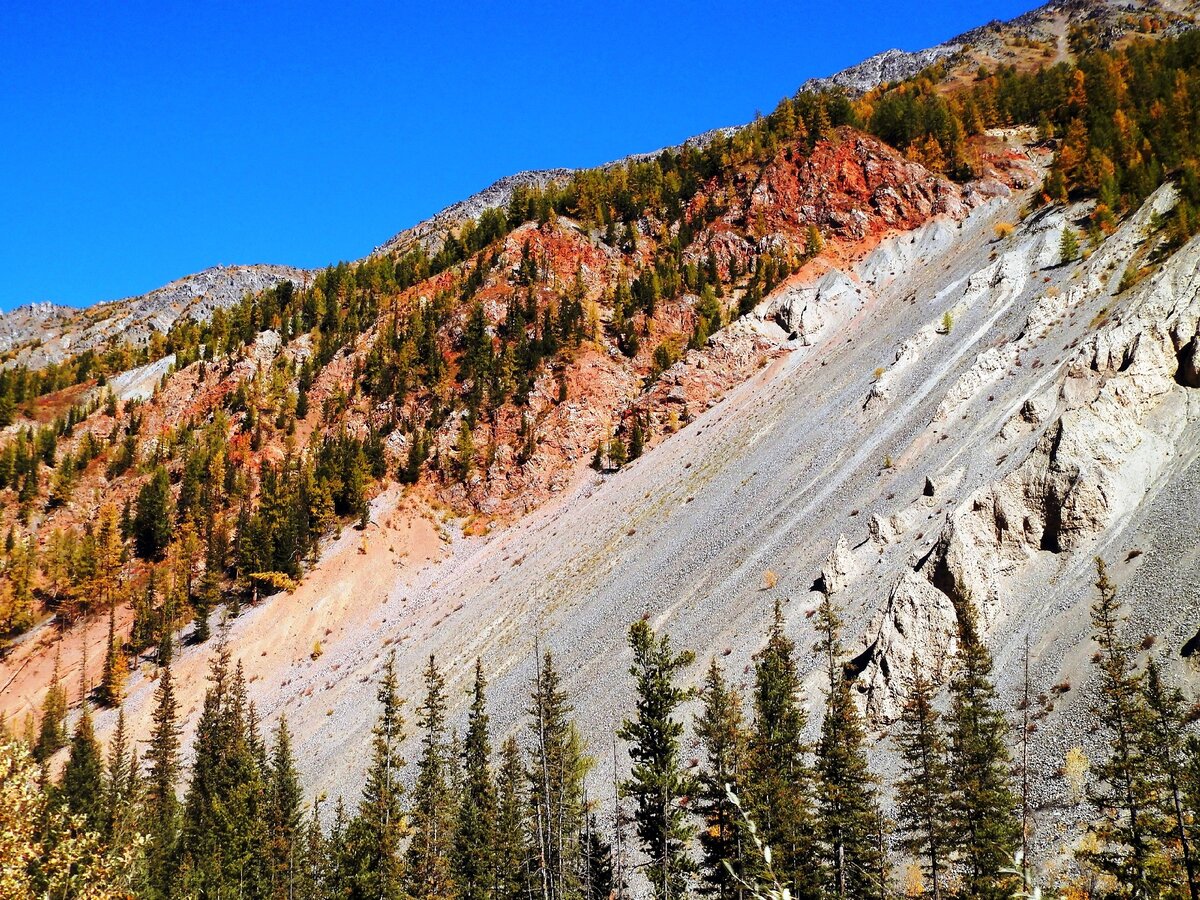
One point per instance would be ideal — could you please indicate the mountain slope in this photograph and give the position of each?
(918, 404)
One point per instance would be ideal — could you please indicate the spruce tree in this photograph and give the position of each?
(116, 669)
(849, 809)
(778, 781)
(475, 870)
(923, 788)
(52, 733)
(1165, 746)
(223, 843)
(720, 731)
(120, 786)
(598, 878)
(511, 848)
(986, 831)
(372, 857)
(81, 787)
(284, 817)
(658, 782)
(557, 768)
(162, 803)
(1123, 791)
(432, 816)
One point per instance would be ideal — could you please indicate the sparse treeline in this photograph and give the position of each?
(760, 810)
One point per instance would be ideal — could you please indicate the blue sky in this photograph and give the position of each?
(143, 141)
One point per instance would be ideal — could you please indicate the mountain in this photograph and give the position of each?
(925, 340)
(41, 334)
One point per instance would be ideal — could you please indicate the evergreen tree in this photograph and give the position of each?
(475, 844)
(162, 804)
(598, 877)
(1128, 848)
(658, 782)
(1068, 245)
(923, 788)
(52, 734)
(81, 788)
(116, 669)
(719, 729)
(986, 831)
(511, 848)
(849, 809)
(556, 772)
(223, 842)
(120, 786)
(152, 518)
(778, 782)
(374, 861)
(431, 847)
(1165, 746)
(285, 827)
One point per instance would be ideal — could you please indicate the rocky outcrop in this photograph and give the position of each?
(1100, 439)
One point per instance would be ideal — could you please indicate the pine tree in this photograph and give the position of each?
(720, 731)
(1124, 790)
(116, 669)
(778, 781)
(284, 817)
(511, 848)
(120, 786)
(162, 804)
(598, 876)
(1165, 747)
(475, 869)
(923, 788)
(1068, 245)
(429, 852)
(849, 809)
(223, 842)
(153, 518)
(52, 735)
(81, 788)
(556, 772)
(374, 861)
(986, 831)
(658, 782)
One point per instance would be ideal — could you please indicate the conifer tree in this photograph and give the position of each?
(1123, 791)
(598, 881)
(849, 809)
(120, 786)
(778, 782)
(223, 842)
(432, 818)
(162, 804)
(372, 841)
(556, 771)
(1165, 746)
(52, 735)
(81, 788)
(719, 729)
(923, 788)
(658, 782)
(986, 831)
(1068, 245)
(475, 846)
(285, 827)
(116, 669)
(511, 848)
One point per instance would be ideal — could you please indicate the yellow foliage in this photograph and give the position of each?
(1075, 771)
(769, 580)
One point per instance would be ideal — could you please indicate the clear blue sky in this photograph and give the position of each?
(143, 141)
